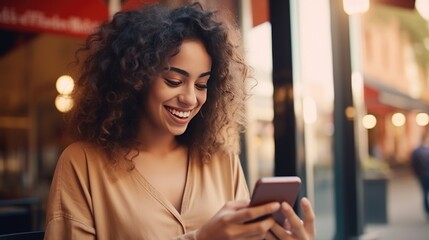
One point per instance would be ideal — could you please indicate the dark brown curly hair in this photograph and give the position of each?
(125, 54)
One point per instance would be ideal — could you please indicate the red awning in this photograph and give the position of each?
(260, 12)
(408, 4)
(70, 17)
(381, 99)
(373, 104)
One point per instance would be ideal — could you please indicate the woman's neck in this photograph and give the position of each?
(157, 144)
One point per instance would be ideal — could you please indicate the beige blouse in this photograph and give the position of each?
(91, 199)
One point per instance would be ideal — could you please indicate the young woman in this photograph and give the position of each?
(158, 109)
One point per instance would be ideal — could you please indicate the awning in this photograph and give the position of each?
(383, 99)
(70, 17)
(409, 4)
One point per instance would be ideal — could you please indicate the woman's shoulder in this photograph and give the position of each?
(80, 145)
(76, 148)
(225, 159)
(223, 156)
(80, 153)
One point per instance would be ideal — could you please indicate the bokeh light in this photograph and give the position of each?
(369, 121)
(65, 84)
(422, 119)
(398, 119)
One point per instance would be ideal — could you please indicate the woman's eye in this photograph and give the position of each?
(172, 83)
(201, 86)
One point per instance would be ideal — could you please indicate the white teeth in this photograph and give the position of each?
(179, 113)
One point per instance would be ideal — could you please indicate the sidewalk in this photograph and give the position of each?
(406, 218)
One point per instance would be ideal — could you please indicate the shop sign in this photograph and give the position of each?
(70, 17)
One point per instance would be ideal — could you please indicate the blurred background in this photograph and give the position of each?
(342, 98)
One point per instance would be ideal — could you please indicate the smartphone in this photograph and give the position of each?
(276, 189)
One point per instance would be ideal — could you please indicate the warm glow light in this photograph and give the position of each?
(398, 119)
(65, 84)
(352, 7)
(422, 119)
(422, 7)
(350, 112)
(63, 103)
(369, 121)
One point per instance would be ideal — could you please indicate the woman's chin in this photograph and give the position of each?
(178, 131)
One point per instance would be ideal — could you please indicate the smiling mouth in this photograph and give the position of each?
(179, 114)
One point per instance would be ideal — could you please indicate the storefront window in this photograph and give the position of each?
(260, 137)
(313, 97)
(313, 90)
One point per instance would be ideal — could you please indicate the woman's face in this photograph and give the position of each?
(180, 91)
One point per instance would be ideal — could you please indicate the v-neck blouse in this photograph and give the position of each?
(91, 199)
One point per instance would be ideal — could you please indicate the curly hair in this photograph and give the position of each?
(125, 54)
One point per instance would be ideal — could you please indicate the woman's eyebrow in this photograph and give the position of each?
(205, 74)
(185, 73)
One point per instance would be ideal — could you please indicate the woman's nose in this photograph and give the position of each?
(188, 96)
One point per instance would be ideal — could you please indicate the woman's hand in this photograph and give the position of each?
(294, 227)
(230, 222)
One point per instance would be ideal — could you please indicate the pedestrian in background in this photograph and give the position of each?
(420, 164)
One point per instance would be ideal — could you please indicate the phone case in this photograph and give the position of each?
(276, 189)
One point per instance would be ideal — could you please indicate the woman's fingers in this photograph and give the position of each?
(228, 222)
(279, 233)
(309, 217)
(236, 220)
(296, 226)
(256, 224)
(253, 214)
(258, 229)
(299, 229)
(271, 236)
